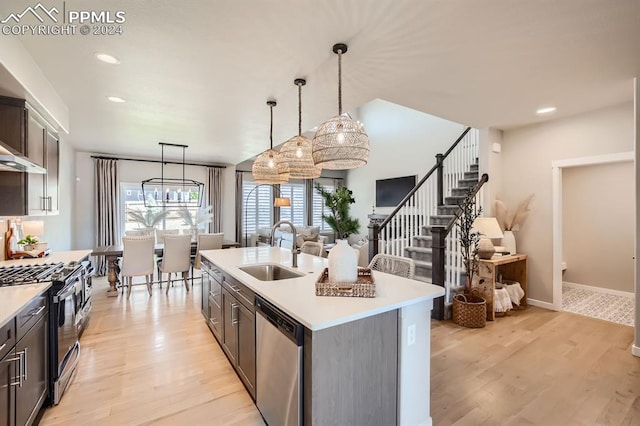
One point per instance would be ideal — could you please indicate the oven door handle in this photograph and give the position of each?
(70, 291)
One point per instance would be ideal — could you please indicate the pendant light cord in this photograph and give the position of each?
(339, 82)
(271, 127)
(299, 109)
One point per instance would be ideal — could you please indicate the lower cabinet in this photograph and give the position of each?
(24, 368)
(232, 320)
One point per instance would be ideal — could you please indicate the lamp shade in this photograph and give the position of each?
(488, 227)
(265, 169)
(33, 227)
(341, 143)
(296, 153)
(282, 202)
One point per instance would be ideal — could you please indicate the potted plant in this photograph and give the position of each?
(203, 215)
(339, 202)
(510, 223)
(469, 310)
(29, 242)
(148, 218)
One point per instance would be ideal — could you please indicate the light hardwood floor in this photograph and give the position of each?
(154, 361)
(535, 367)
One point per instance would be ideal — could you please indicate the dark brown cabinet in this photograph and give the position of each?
(24, 374)
(231, 317)
(24, 130)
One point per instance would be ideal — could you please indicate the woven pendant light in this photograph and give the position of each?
(265, 166)
(295, 154)
(340, 142)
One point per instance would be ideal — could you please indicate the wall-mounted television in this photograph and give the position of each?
(389, 192)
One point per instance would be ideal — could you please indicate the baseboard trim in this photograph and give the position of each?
(628, 294)
(635, 350)
(540, 304)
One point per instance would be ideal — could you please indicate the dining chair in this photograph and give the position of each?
(396, 265)
(160, 233)
(138, 232)
(312, 247)
(137, 260)
(176, 257)
(207, 242)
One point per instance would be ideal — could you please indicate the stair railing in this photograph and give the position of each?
(415, 212)
(395, 232)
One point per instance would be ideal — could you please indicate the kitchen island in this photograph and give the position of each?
(365, 360)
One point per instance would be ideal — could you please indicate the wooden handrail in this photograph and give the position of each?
(440, 159)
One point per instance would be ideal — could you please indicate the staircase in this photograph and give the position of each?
(422, 226)
(421, 249)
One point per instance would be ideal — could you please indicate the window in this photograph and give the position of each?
(319, 208)
(258, 207)
(133, 200)
(296, 212)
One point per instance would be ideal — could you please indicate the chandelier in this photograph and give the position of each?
(172, 192)
(265, 167)
(295, 154)
(340, 142)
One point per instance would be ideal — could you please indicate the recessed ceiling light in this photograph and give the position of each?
(546, 110)
(106, 58)
(115, 99)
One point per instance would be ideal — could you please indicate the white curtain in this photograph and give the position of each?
(214, 197)
(107, 203)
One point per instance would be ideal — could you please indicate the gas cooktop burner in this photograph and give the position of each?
(16, 275)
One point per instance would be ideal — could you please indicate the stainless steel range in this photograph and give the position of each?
(70, 303)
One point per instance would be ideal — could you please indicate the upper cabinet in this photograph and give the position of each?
(29, 194)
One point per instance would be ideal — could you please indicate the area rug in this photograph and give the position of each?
(609, 307)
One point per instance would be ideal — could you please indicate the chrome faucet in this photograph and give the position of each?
(294, 247)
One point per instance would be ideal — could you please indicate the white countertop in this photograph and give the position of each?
(296, 296)
(14, 299)
(54, 257)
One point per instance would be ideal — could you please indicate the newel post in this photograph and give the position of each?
(438, 235)
(374, 238)
(440, 179)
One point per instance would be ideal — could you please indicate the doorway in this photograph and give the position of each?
(593, 215)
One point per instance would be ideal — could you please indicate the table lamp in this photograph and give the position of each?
(488, 228)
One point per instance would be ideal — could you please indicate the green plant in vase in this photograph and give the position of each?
(339, 202)
(469, 241)
(28, 242)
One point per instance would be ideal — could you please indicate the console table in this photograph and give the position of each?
(513, 267)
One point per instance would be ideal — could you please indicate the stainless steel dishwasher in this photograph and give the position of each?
(278, 365)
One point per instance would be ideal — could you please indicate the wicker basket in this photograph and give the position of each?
(363, 287)
(469, 311)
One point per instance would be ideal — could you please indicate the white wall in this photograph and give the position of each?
(403, 142)
(527, 153)
(597, 245)
(133, 172)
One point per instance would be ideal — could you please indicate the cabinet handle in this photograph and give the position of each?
(37, 312)
(234, 309)
(2, 347)
(19, 360)
(50, 204)
(26, 365)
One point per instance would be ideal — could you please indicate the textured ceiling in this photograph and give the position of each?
(200, 72)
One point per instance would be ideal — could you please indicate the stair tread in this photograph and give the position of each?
(423, 263)
(419, 249)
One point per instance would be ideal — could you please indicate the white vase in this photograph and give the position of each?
(343, 263)
(509, 242)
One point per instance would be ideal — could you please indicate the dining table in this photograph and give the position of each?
(114, 252)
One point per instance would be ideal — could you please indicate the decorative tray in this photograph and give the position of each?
(363, 287)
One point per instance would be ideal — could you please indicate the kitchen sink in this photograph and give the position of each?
(270, 272)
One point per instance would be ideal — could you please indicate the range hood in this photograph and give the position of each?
(13, 161)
